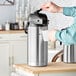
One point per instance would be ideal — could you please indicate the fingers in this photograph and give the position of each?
(53, 4)
(51, 7)
(46, 6)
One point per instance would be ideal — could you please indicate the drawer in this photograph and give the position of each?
(4, 37)
(18, 36)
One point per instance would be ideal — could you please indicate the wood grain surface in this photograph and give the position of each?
(51, 68)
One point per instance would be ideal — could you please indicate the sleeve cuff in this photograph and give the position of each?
(67, 11)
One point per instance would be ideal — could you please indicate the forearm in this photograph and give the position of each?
(60, 10)
(69, 11)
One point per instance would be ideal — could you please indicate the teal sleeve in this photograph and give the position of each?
(69, 11)
(67, 36)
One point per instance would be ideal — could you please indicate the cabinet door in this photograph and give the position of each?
(4, 59)
(19, 51)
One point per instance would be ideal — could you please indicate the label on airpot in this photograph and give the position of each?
(45, 35)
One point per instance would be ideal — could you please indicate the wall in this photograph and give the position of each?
(7, 13)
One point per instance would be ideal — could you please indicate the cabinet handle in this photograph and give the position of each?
(12, 60)
(9, 61)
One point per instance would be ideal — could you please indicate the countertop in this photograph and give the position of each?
(51, 68)
(12, 31)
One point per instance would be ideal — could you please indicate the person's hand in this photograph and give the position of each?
(51, 35)
(52, 7)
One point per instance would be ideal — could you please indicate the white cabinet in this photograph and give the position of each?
(19, 52)
(13, 50)
(4, 55)
(4, 59)
(19, 48)
(47, 74)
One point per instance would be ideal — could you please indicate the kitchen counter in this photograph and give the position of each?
(52, 67)
(12, 31)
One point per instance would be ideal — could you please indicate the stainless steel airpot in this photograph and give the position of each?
(37, 47)
(69, 53)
